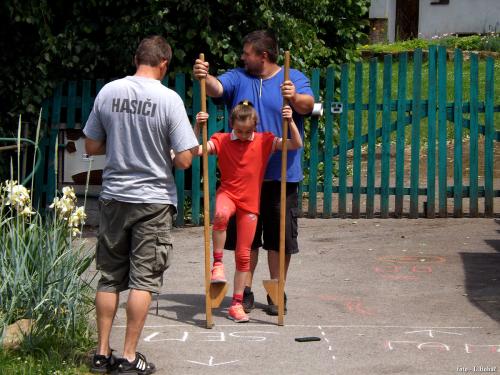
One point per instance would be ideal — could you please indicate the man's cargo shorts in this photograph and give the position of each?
(134, 245)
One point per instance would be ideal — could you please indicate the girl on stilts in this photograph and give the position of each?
(242, 159)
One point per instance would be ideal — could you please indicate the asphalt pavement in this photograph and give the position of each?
(384, 296)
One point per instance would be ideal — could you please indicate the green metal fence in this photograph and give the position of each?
(358, 150)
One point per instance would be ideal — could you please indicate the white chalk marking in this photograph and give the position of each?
(211, 362)
(330, 348)
(433, 345)
(154, 334)
(309, 326)
(431, 332)
(436, 345)
(254, 338)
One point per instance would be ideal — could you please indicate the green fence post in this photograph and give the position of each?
(457, 118)
(356, 167)
(86, 100)
(386, 138)
(344, 118)
(442, 147)
(313, 150)
(415, 132)
(488, 138)
(431, 135)
(400, 133)
(180, 88)
(56, 106)
(70, 112)
(474, 136)
(328, 166)
(99, 84)
(372, 129)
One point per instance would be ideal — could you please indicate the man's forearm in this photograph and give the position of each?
(214, 87)
(93, 147)
(183, 159)
(302, 103)
(296, 139)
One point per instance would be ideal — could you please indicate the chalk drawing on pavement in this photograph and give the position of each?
(211, 362)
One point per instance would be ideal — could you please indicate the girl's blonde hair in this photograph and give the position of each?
(244, 111)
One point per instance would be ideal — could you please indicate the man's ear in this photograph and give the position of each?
(164, 64)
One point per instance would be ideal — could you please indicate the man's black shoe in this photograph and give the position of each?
(139, 366)
(102, 364)
(248, 300)
(271, 308)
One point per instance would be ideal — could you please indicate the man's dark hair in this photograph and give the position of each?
(152, 51)
(263, 41)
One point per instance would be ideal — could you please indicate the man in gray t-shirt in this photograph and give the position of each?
(136, 122)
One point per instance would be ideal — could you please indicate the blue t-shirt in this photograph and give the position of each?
(265, 94)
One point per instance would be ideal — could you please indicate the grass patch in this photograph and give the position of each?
(55, 356)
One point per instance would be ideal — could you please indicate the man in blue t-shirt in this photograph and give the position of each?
(262, 82)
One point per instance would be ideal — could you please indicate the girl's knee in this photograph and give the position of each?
(221, 218)
(243, 261)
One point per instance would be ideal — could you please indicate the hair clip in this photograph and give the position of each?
(246, 102)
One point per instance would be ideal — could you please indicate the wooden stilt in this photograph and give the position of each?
(214, 293)
(271, 287)
(281, 281)
(217, 293)
(206, 205)
(276, 288)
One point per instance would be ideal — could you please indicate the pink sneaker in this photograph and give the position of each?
(237, 314)
(218, 274)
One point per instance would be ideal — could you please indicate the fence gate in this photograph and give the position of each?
(373, 153)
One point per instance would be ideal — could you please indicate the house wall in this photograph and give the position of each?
(385, 9)
(459, 16)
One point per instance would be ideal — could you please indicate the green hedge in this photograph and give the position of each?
(489, 42)
(44, 42)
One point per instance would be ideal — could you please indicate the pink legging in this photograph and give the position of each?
(246, 222)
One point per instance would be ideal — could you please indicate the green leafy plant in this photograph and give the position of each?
(61, 40)
(487, 42)
(43, 268)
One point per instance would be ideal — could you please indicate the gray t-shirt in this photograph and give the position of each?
(141, 120)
